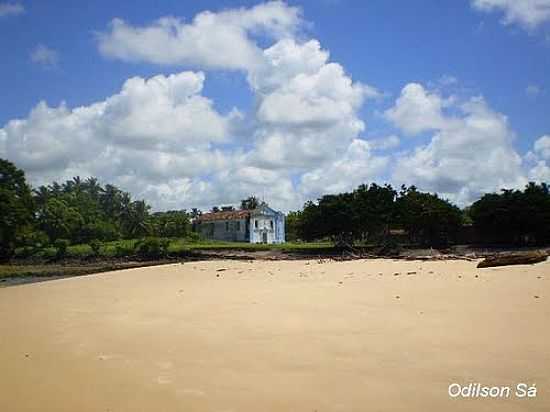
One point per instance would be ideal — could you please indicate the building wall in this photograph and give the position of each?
(265, 225)
(280, 235)
(260, 225)
(227, 230)
(267, 228)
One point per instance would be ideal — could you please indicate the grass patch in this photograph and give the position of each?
(219, 245)
(177, 246)
(127, 248)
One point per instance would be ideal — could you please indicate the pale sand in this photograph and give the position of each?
(276, 336)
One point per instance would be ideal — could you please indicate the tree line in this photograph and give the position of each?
(371, 213)
(76, 211)
(514, 216)
(84, 211)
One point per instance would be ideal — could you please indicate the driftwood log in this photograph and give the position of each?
(526, 258)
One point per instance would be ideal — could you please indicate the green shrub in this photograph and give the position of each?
(124, 249)
(96, 246)
(61, 246)
(25, 252)
(35, 239)
(388, 247)
(193, 237)
(98, 231)
(79, 251)
(152, 248)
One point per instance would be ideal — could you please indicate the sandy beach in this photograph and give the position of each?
(365, 335)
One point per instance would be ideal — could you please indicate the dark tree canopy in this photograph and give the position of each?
(427, 218)
(16, 207)
(84, 211)
(308, 226)
(250, 203)
(173, 223)
(368, 213)
(374, 209)
(514, 216)
(292, 226)
(79, 211)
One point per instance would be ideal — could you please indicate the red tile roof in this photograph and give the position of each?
(228, 215)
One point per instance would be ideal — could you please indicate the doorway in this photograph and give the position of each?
(264, 237)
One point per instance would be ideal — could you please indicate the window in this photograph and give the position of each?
(271, 224)
(238, 226)
(227, 226)
(256, 224)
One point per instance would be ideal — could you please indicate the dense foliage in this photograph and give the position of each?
(368, 213)
(16, 207)
(250, 203)
(514, 216)
(77, 211)
(85, 212)
(426, 218)
(291, 226)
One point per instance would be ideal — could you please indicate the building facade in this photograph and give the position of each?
(260, 225)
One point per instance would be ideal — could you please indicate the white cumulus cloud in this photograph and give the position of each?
(417, 110)
(211, 40)
(307, 107)
(357, 165)
(538, 160)
(154, 130)
(163, 112)
(385, 143)
(528, 14)
(542, 147)
(164, 141)
(469, 153)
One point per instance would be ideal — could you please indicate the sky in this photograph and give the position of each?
(196, 104)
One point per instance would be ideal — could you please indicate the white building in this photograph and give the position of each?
(260, 225)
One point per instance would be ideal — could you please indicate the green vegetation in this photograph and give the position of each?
(163, 247)
(514, 216)
(152, 248)
(250, 203)
(368, 213)
(81, 219)
(15, 207)
(46, 220)
(284, 247)
(82, 211)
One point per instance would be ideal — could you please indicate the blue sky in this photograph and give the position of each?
(458, 54)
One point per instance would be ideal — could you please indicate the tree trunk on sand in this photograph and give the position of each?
(527, 258)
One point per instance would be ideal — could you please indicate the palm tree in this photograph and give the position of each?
(55, 188)
(110, 201)
(136, 219)
(250, 203)
(92, 186)
(77, 185)
(41, 195)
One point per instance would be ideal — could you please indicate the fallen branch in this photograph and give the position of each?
(528, 258)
